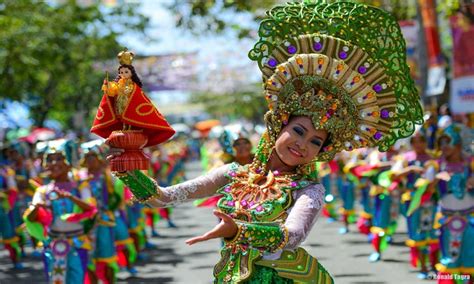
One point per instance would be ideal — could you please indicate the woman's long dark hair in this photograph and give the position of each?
(135, 78)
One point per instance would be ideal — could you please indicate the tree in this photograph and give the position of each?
(213, 15)
(50, 55)
(249, 103)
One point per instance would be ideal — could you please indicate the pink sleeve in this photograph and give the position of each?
(304, 213)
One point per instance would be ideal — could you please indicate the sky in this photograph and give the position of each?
(171, 39)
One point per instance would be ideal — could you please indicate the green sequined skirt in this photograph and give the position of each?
(265, 275)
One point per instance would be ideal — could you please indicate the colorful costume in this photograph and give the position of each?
(124, 245)
(363, 173)
(420, 214)
(9, 224)
(386, 201)
(455, 221)
(104, 253)
(347, 184)
(349, 83)
(66, 244)
(455, 218)
(327, 177)
(24, 172)
(62, 227)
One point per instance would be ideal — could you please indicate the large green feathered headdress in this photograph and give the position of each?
(342, 64)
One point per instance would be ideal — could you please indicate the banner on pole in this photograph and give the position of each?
(462, 84)
(436, 67)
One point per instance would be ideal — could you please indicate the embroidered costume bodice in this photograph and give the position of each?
(263, 200)
(60, 206)
(302, 214)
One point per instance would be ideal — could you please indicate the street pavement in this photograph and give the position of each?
(344, 256)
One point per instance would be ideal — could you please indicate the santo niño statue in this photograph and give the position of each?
(127, 115)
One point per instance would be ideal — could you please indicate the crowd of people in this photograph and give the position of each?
(432, 188)
(84, 223)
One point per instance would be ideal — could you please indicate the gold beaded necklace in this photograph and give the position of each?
(255, 193)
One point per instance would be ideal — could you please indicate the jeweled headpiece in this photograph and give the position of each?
(230, 135)
(453, 132)
(343, 65)
(67, 148)
(97, 147)
(125, 57)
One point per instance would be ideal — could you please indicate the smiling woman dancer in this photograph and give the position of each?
(335, 79)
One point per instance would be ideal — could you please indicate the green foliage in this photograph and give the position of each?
(248, 104)
(400, 9)
(448, 7)
(50, 54)
(212, 15)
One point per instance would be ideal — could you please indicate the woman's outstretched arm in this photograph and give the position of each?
(145, 189)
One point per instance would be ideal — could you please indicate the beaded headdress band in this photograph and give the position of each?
(343, 65)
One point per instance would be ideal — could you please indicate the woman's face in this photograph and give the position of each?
(446, 146)
(92, 162)
(299, 142)
(419, 144)
(56, 165)
(125, 73)
(242, 147)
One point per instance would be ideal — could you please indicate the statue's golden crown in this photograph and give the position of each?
(125, 57)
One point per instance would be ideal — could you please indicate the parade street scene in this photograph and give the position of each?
(236, 141)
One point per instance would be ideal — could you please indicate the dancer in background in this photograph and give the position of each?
(455, 217)
(420, 214)
(58, 216)
(9, 225)
(103, 264)
(124, 244)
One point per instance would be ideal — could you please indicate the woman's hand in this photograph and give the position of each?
(225, 229)
(417, 169)
(66, 194)
(443, 176)
(470, 183)
(114, 152)
(62, 193)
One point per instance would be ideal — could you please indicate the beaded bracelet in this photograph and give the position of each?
(143, 187)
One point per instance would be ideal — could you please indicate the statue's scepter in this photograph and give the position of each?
(105, 85)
